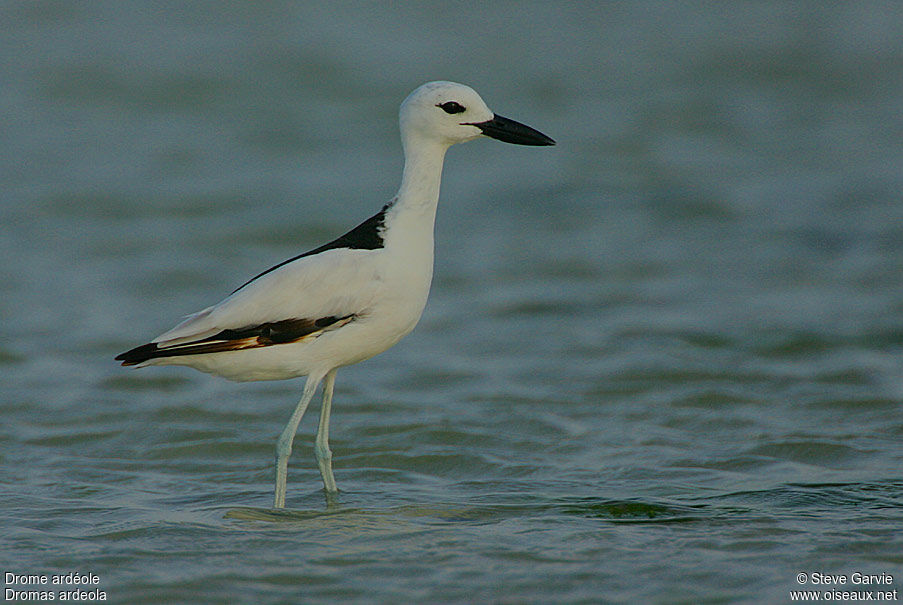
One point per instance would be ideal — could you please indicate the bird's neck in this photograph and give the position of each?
(422, 174)
(414, 208)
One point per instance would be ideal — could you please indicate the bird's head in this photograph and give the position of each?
(454, 113)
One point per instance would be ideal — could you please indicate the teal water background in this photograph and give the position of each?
(662, 361)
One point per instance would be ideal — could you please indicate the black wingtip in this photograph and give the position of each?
(138, 354)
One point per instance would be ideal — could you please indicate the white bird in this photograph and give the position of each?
(347, 300)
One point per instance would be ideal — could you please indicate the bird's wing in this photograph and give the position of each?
(316, 290)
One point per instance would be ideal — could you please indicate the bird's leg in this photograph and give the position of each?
(284, 443)
(321, 447)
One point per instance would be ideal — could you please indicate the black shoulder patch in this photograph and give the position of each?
(366, 236)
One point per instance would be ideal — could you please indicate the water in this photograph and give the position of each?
(661, 361)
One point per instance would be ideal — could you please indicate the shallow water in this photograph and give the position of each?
(661, 361)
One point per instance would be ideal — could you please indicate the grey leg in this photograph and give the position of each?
(284, 443)
(321, 447)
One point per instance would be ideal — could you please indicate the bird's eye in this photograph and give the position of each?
(451, 107)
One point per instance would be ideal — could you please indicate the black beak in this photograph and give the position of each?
(510, 131)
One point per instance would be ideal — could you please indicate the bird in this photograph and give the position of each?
(349, 299)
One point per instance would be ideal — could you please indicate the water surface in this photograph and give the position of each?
(661, 361)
